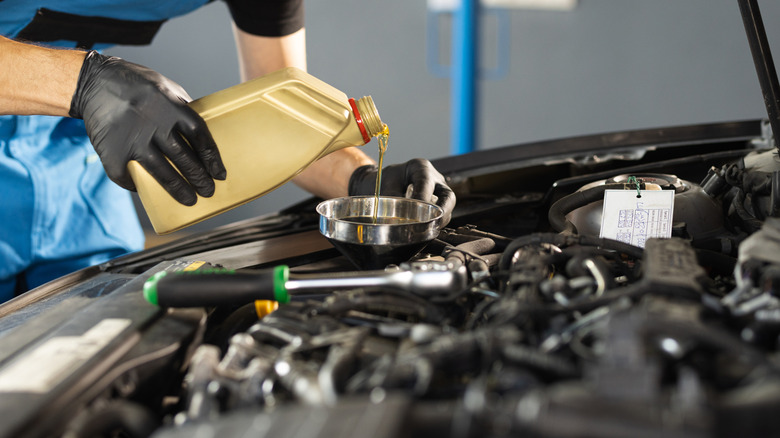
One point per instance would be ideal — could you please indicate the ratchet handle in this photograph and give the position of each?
(216, 287)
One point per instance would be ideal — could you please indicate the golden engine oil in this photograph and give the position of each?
(267, 130)
(382, 140)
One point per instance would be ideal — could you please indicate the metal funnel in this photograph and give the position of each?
(402, 229)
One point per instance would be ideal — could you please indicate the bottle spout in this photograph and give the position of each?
(367, 117)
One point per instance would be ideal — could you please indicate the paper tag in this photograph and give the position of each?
(633, 220)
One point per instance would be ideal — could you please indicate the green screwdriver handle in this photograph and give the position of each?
(215, 287)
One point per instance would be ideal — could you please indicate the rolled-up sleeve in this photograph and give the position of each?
(267, 17)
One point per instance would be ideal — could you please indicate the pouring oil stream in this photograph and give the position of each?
(382, 139)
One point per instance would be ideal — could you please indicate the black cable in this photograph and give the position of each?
(561, 240)
(544, 311)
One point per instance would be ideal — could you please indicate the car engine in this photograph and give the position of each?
(517, 319)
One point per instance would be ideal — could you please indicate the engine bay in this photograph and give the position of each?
(555, 332)
(517, 319)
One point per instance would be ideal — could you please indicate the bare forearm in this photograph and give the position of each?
(37, 80)
(258, 56)
(329, 176)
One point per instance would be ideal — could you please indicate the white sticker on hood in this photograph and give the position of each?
(39, 370)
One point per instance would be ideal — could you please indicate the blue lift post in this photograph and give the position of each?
(464, 70)
(465, 37)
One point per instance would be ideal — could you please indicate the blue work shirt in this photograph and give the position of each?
(61, 213)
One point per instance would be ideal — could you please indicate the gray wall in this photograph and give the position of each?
(607, 65)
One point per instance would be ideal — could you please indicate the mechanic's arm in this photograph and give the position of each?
(37, 80)
(130, 113)
(258, 56)
(347, 171)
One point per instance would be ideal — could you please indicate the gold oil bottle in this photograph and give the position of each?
(267, 130)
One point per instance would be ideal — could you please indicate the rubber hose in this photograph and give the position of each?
(129, 419)
(614, 245)
(744, 216)
(535, 359)
(467, 250)
(455, 239)
(719, 262)
(561, 240)
(384, 301)
(558, 211)
(774, 195)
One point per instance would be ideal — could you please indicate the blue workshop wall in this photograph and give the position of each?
(607, 65)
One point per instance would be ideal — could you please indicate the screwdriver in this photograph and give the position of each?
(215, 287)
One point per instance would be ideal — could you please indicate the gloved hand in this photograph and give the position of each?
(134, 113)
(427, 184)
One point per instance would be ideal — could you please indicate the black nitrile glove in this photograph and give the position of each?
(427, 184)
(134, 113)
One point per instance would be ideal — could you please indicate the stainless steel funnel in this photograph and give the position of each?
(402, 229)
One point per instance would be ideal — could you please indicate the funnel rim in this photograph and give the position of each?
(436, 208)
(335, 224)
